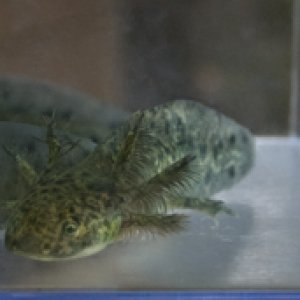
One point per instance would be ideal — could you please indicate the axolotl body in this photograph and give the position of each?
(174, 155)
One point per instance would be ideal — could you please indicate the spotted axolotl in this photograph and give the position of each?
(174, 155)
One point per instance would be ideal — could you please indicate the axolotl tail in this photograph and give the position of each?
(223, 148)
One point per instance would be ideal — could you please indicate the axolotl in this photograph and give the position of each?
(175, 155)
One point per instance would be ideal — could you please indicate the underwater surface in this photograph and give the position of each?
(257, 248)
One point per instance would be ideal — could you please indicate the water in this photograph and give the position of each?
(234, 56)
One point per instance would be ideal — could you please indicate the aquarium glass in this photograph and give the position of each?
(149, 145)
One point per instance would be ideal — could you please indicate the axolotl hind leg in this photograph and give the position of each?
(56, 149)
(27, 171)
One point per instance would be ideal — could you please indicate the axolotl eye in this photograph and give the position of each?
(70, 229)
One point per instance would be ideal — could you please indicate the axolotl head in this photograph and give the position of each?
(52, 223)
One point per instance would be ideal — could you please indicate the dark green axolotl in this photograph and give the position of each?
(176, 155)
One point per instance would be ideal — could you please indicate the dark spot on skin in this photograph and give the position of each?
(47, 246)
(167, 128)
(90, 205)
(217, 148)
(188, 202)
(93, 186)
(30, 147)
(85, 174)
(182, 132)
(220, 145)
(94, 139)
(40, 223)
(113, 125)
(120, 200)
(231, 172)
(33, 219)
(61, 215)
(101, 186)
(66, 114)
(160, 156)
(152, 110)
(76, 219)
(14, 244)
(85, 243)
(109, 204)
(45, 197)
(59, 197)
(187, 159)
(73, 186)
(106, 223)
(44, 191)
(33, 194)
(181, 142)
(180, 128)
(24, 209)
(47, 171)
(232, 140)
(152, 125)
(47, 112)
(207, 177)
(215, 151)
(93, 215)
(55, 190)
(203, 150)
(43, 216)
(190, 104)
(244, 138)
(179, 123)
(190, 142)
(60, 181)
(72, 210)
(42, 182)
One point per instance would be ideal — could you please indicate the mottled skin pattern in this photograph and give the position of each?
(174, 155)
(224, 150)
